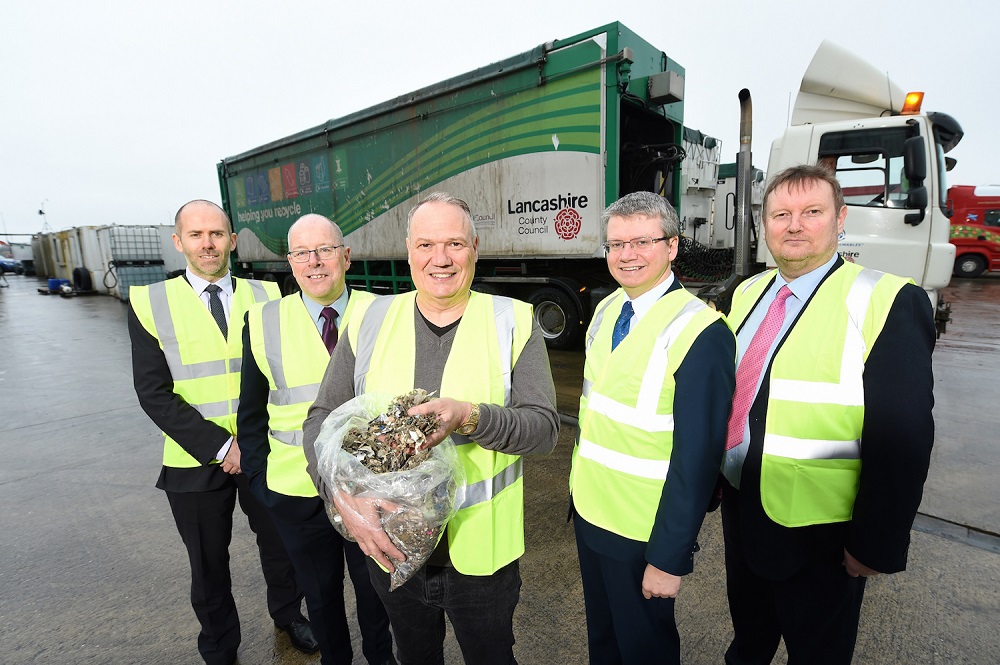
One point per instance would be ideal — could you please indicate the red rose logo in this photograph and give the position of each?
(567, 224)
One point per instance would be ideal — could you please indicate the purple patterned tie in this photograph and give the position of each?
(329, 315)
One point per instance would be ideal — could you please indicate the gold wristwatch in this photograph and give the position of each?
(469, 426)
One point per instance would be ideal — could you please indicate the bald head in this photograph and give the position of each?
(199, 207)
(312, 220)
(203, 234)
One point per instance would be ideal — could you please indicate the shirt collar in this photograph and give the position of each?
(198, 283)
(645, 302)
(315, 309)
(802, 287)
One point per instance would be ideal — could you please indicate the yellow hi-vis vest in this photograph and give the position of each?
(204, 365)
(626, 411)
(290, 352)
(816, 405)
(487, 532)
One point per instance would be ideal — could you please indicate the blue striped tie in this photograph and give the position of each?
(621, 325)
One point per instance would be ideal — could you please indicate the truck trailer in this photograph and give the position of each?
(537, 144)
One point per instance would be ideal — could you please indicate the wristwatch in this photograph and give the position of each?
(469, 426)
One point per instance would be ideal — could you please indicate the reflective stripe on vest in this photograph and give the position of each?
(290, 353)
(487, 532)
(164, 309)
(623, 456)
(375, 316)
(815, 412)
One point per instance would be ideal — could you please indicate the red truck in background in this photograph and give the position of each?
(975, 228)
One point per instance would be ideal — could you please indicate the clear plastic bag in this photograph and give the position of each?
(422, 499)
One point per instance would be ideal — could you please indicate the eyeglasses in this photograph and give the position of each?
(322, 253)
(638, 244)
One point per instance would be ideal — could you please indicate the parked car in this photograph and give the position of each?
(11, 265)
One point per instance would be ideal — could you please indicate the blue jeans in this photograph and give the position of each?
(481, 610)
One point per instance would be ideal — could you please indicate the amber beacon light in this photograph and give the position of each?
(911, 105)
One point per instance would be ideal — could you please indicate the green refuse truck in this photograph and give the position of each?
(538, 144)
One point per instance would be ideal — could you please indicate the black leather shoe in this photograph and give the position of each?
(300, 634)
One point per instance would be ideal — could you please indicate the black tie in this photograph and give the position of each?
(329, 334)
(215, 305)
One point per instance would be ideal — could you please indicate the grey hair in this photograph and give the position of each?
(443, 197)
(647, 204)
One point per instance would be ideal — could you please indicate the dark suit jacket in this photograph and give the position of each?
(896, 445)
(252, 424)
(154, 387)
(705, 383)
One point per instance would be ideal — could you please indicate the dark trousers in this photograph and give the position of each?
(318, 553)
(623, 628)
(205, 523)
(480, 608)
(816, 610)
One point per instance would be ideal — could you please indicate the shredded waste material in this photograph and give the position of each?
(393, 441)
(380, 456)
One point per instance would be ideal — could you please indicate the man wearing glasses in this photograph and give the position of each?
(658, 386)
(286, 349)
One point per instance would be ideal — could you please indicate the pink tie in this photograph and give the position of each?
(751, 365)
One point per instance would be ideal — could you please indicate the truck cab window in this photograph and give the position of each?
(991, 218)
(869, 165)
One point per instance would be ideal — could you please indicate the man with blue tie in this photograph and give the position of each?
(830, 434)
(658, 385)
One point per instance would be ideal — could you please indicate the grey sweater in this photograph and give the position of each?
(530, 425)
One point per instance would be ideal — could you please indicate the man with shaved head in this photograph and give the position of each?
(186, 350)
(286, 349)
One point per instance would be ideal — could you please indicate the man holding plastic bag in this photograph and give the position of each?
(486, 359)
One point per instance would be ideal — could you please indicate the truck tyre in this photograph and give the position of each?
(488, 288)
(969, 265)
(81, 280)
(289, 286)
(558, 316)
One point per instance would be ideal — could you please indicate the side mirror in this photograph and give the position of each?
(916, 199)
(915, 162)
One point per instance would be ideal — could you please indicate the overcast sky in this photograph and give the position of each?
(116, 112)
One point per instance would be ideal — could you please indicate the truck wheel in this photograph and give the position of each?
(558, 317)
(488, 288)
(969, 265)
(289, 286)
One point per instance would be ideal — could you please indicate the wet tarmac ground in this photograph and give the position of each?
(92, 569)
